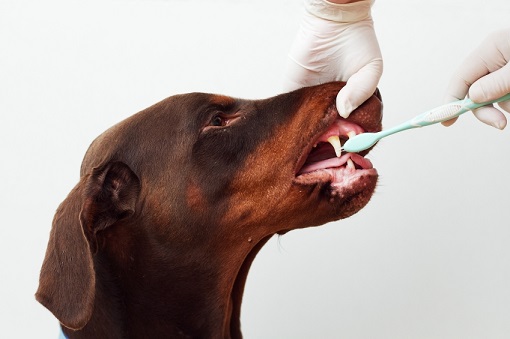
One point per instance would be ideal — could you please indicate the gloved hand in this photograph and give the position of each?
(336, 42)
(485, 75)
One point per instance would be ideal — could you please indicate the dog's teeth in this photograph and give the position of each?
(351, 134)
(350, 164)
(335, 142)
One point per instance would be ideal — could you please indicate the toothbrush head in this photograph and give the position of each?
(360, 142)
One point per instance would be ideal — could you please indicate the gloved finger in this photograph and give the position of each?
(450, 122)
(491, 116)
(360, 86)
(488, 115)
(468, 72)
(473, 76)
(505, 105)
(480, 62)
(492, 86)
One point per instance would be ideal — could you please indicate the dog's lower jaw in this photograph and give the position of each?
(329, 200)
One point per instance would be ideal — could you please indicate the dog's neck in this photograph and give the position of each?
(182, 291)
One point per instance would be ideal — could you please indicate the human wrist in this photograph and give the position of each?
(346, 11)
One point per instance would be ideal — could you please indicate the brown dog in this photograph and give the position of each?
(174, 203)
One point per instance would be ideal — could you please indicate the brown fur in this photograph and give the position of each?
(157, 238)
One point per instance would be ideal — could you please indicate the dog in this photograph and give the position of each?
(175, 202)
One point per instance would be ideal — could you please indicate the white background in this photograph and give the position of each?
(428, 258)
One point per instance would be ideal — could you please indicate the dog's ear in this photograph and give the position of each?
(67, 279)
(111, 194)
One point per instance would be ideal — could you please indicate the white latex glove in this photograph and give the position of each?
(336, 43)
(485, 76)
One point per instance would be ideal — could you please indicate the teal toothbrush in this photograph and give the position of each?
(364, 141)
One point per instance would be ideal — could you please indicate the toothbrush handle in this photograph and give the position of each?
(450, 110)
(438, 114)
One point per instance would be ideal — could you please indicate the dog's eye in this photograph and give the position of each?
(218, 120)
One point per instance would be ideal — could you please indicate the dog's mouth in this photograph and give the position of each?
(324, 162)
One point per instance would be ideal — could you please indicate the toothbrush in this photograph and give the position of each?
(364, 141)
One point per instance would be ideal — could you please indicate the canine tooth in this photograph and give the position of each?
(335, 142)
(350, 164)
(351, 134)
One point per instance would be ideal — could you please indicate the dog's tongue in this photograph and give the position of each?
(348, 159)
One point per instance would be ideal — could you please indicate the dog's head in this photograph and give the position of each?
(205, 171)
